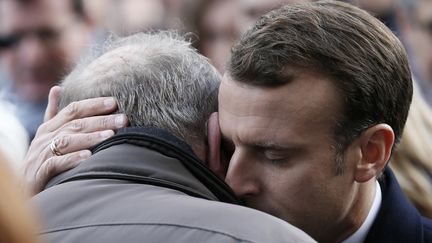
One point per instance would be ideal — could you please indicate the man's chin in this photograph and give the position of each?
(264, 208)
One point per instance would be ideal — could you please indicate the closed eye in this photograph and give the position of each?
(276, 157)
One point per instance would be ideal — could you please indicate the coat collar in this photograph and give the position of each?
(153, 156)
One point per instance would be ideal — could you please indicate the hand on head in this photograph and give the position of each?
(70, 133)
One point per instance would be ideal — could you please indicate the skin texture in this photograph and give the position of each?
(283, 162)
(39, 60)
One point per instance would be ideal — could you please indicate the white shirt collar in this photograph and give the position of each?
(361, 233)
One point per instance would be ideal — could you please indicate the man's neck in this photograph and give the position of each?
(357, 214)
(361, 233)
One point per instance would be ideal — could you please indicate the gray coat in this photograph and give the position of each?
(146, 186)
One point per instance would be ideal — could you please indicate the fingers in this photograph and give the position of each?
(75, 128)
(80, 109)
(41, 164)
(53, 100)
(96, 123)
(69, 143)
(56, 165)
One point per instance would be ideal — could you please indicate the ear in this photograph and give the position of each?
(214, 146)
(375, 147)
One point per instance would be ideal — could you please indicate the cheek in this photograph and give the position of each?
(301, 183)
(284, 184)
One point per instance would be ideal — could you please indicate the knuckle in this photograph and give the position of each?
(76, 125)
(48, 169)
(63, 142)
(106, 122)
(89, 138)
(42, 128)
(68, 161)
(72, 110)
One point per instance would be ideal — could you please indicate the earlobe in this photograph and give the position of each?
(375, 145)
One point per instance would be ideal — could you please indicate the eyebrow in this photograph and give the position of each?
(271, 145)
(262, 144)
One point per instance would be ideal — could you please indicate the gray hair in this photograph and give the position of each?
(158, 80)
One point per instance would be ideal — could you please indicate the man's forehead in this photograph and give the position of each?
(311, 101)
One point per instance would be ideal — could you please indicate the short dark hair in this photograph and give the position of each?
(364, 59)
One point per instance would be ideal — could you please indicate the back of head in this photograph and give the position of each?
(363, 58)
(158, 80)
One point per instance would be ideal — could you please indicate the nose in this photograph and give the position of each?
(243, 175)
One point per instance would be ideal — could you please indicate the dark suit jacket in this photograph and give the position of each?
(398, 220)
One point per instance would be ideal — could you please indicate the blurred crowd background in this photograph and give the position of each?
(41, 40)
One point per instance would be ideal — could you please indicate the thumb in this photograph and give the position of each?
(53, 100)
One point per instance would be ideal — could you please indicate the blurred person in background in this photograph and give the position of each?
(216, 30)
(419, 39)
(17, 225)
(125, 17)
(249, 11)
(388, 11)
(221, 22)
(182, 14)
(13, 136)
(412, 162)
(411, 21)
(131, 16)
(39, 42)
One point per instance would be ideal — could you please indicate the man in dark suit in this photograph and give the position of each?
(313, 102)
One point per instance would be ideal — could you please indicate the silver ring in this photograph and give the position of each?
(54, 149)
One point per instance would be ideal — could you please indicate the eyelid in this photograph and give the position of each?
(277, 161)
(274, 154)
